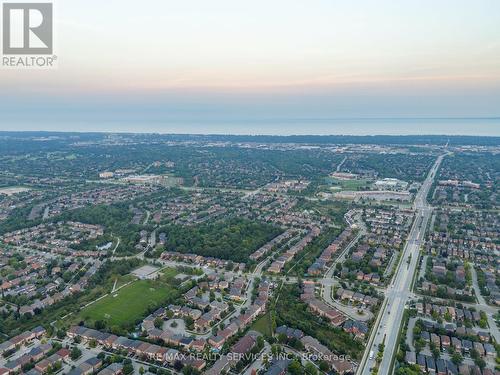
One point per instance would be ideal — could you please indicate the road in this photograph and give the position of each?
(341, 164)
(483, 306)
(386, 327)
(117, 244)
(329, 281)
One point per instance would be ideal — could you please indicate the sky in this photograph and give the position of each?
(265, 67)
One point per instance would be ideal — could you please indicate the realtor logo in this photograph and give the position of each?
(27, 29)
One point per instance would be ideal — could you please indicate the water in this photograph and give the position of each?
(281, 126)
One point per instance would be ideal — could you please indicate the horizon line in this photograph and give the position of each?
(249, 135)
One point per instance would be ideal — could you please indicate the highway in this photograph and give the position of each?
(386, 327)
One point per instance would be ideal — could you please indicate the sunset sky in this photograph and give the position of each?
(202, 63)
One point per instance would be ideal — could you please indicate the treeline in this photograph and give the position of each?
(312, 251)
(12, 323)
(30, 142)
(234, 239)
(292, 312)
(116, 220)
(405, 167)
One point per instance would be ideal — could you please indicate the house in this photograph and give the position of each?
(441, 366)
(456, 343)
(112, 369)
(489, 350)
(411, 358)
(445, 342)
(452, 368)
(76, 371)
(160, 354)
(94, 362)
(142, 348)
(172, 356)
(13, 366)
(151, 351)
(421, 361)
(290, 332)
(425, 336)
(464, 369)
(435, 340)
(220, 367)
(278, 367)
(479, 348)
(75, 331)
(85, 368)
(431, 364)
(483, 336)
(313, 346)
(39, 331)
(242, 347)
(43, 366)
(108, 342)
(198, 345)
(466, 345)
(196, 363)
(64, 354)
(6, 346)
(217, 341)
(357, 328)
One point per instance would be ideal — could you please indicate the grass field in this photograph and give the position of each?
(347, 184)
(168, 273)
(130, 303)
(263, 325)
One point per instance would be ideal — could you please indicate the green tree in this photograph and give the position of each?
(295, 368)
(128, 369)
(311, 369)
(75, 353)
(158, 322)
(457, 358)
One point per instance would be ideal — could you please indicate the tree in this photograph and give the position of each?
(158, 322)
(128, 369)
(434, 350)
(480, 363)
(295, 368)
(324, 366)
(282, 338)
(189, 322)
(419, 344)
(75, 353)
(457, 358)
(99, 325)
(447, 316)
(260, 342)
(61, 334)
(311, 369)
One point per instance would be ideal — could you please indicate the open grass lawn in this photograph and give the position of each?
(263, 325)
(168, 273)
(130, 303)
(348, 184)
